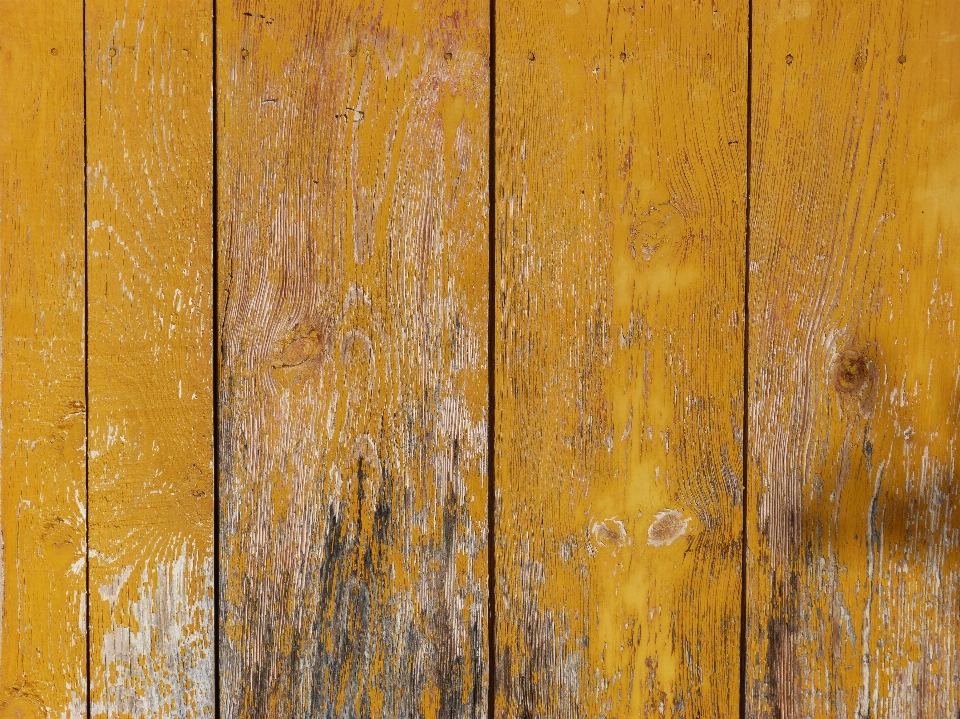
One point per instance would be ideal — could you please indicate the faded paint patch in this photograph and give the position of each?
(159, 634)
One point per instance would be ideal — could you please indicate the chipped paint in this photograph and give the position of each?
(354, 326)
(149, 285)
(854, 530)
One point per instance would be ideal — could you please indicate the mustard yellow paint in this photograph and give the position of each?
(42, 417)
(150, 261)
(353, 264)
(854, 529)
(353, 304)
(621, 159)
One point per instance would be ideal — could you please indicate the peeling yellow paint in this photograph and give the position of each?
(149, 149)
(854, 524)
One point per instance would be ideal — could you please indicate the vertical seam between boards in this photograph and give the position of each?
(491, 378)
(215, 370)
(745, 436)
(86, 367)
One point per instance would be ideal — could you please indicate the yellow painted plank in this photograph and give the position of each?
(353, 264)
(621, 164)
(854, 572)
(42, 416)
(150, 262)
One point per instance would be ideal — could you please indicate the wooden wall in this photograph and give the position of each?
(448, 359)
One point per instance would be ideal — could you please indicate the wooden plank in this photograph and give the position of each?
(42, 417)
(620, 248)
(854, 574)
(353, 262)
(150, 254)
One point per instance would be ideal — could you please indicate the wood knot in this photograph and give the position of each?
(854, 377)
(850, 372)
(668, 526)
(20, 707)
(610, 533)
(298, 350)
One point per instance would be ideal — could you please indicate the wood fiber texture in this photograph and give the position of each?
(620, 229)
(42, 417)
(353, 299)
(854, 530)
(150, 294)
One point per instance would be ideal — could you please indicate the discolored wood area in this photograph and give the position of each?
(42, 403)
(854, 528)
(150, 269)
(352, 142)
(620, 226)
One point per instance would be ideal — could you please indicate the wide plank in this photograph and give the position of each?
(352, 265)
(150, 261)
(620, 238)
(42, 402)
(854, 534)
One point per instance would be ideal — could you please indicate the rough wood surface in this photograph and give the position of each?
(42, 425)
(854, 573)
(150, 261)
(353, 295)
(620, 240)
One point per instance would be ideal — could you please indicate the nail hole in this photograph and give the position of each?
(902, 59)
(789, 59)
(53, 51)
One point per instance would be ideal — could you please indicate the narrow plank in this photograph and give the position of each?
(854, 573)
(42, 417)
(150, 262)
(620, 134)
(353, 261)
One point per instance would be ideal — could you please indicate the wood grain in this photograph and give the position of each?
(854, 574)
(353, 263)
(42, 417)
(150, 261)
(620, 134)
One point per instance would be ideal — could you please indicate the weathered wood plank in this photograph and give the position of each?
(620, 247)
(42, 416)
(854, 574)
(150, 262)
(353, 257)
